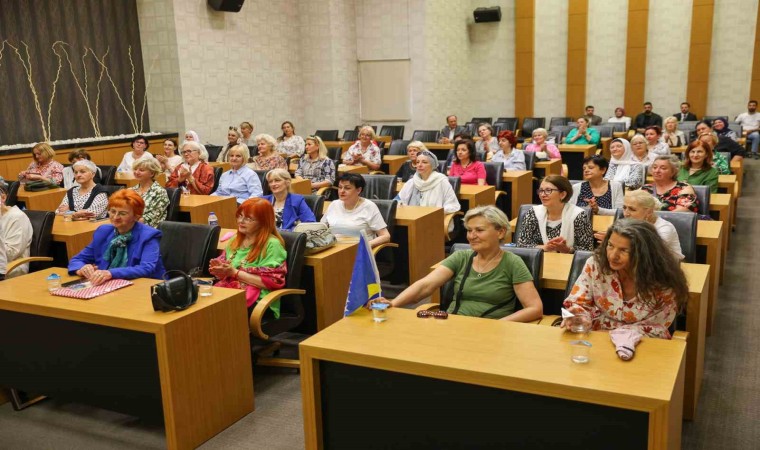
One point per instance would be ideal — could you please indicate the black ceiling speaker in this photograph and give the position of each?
(492, 14)
(230, 5)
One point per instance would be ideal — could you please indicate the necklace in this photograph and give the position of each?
(484, 267)
(353, 207)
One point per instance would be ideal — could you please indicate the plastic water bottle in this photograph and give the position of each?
(212, 220)
(53, 282)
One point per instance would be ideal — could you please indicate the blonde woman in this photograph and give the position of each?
(408, 169)
(240, 181)
(43, 166)
(364, 151)
(289, 209)
(315, 166)
(672, 135)
(155, 197)
(246, 132)
(641, 153)
(233, 138)
(267, 158)
(642, 205)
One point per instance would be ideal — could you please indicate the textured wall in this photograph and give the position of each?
(605, 61)
(383, 29)
(550, 58)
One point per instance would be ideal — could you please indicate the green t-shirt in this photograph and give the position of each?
(275, 255)
(492, 288)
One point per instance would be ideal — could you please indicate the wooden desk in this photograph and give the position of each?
(224, 165)
(546, 168)
(191, 369)
(730, 184)
(441, 151)
(720, 204)
(41, 200)
(462, 372)
(737, 168)
(678, 150)
(520, 186)
(360, 169)
(395, 162)
(344, 145)
(423, 229)
(573, 155)
(606, 147)
(476, 195)
(301, 186)
(128, 179)
(75, 235)
(199, 207)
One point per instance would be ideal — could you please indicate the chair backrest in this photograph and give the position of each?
(531, 123)
(442, 167)
(456, 184)
(217, 175)
(110, 189)
(107, 175)
(379, 187)
(12, 197)
(42, 236)
(327, 135)
(618, 127)
(350, 135)
(555, 135)
(579, 260)
(510, 123)
(703, 196)
(559, 121)
(387, 210)
(213, 151)
(335, 154)
(687, 126)
(292, 311)
(264, 183)
(711, 118)
(398, 147)
(494, 174)
(178, 255)
(480, 120)
(605, 131)
(472, 128)
(686, 227)
(172, 209)
(425, 135)
(295, 246)
(530, 160)
(316, 204)
(394, 131)
(359, 127)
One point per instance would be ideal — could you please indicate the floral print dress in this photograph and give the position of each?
(674, 197)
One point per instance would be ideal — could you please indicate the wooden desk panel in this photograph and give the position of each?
(520, 187)
(394, 162)
(360, 169)
(224, 165)
(720, 204)
(75, 235)
(301, 186)
(477, 195)
(546, 168)
(425, 237)
(199, 207)
(42, 200)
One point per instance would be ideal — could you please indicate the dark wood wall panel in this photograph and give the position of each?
(97, 24)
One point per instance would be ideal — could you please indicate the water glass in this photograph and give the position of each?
(579, 351)
(205, 290)
(379, 312)
(579, 324)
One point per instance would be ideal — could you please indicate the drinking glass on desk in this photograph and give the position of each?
(580, 323)
(579, 351)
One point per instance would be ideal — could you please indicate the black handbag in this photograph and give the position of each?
(174, 294)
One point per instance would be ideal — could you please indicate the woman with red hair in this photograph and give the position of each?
(125, 249)
(255, 259)
(512, 158)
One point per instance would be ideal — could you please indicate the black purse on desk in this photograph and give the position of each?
(174, 294)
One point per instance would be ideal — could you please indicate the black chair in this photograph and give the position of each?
(213, 151)
(618, 127)
(703, 197)
(172, 209)
(510, 123)
(327, 135)
(398, 147)
(530, 124)
(555, 135)
(335, 153)
(711, 118)
(316, 204)
(456, 184)
(685, 224)
(379, 187)
(394, 131)
(264, 183)
(385, 260)
(494, 177)
(270, 333)
(442, 166)
(472, 128)
(425, 135)
(350, 135)
(188, 246)
(110, 189)
(12, 198)
(480, 120)
(687, 126)
(530, 160)
(579, 260)
(107, 175)
(605, 131)
(559, 121)
(217, 175)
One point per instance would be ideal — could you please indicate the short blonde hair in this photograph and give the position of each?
(638, 137)
(149, 164)
(279, 174)
(670, 119)
(418, 145)
(45, 150)
(494, 216)
(269, 139)
(644, 199)
(243, 150)
(371, 131)
(541, 131)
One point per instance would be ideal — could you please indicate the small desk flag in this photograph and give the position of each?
(365, 280)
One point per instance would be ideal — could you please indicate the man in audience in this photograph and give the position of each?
(451, 129)
(725, 144)
(647, 119)
(685, 115)
(750, 122)
(592, 119)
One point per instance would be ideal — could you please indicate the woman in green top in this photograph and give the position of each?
(583, 135)
(697, 169)
(153, 194)
(255, 259)
(496, 279)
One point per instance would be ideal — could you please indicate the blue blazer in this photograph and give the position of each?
(143, 253)
(295, 210)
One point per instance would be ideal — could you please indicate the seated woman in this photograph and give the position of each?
(583, 135)
(191, 135)
(672, 135)
(194, 175)
(170, 159)
(428, 187)
(351, 213)
(488, 281)
(718, 161)
(68, 172)
(466, 165)
(556, 225)
(641, 205)
(315, 165)
(255, 260)
(15, 236)
(153, 194)
(364, 151)
(43, 166)
(289, 209)
(408, 169)
(125, 249)
(655, 145)
(512, 158)
(139, 152)
(632, 281)
(487, 145)
(621, 117)
(233, 139)
(240, 181)
(246, 134)
(603, 196)
(267, 159)
(673, 195)
(697, 169)
(720, 126)
(290, 145)
(88, 200)
(623, 167)
(539, 144)
(641, 153)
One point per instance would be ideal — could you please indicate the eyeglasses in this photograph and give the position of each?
(185, 152)
(546, 191)
(243, 219)
(114, 213)
(424, 314)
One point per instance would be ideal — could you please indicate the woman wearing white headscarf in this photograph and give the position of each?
(428, 187)
(623, 167)
(191, 135)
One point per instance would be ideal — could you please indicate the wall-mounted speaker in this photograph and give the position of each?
(492, 14)
(232, 5)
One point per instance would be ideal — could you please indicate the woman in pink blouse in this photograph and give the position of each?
(268, 158)
(44, 167)
(466, 166)
(633, 281)
(539, 144)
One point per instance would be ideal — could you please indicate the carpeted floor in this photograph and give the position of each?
(729, 407)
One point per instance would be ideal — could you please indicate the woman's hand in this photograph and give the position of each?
(87, 271)
(100, 277)
(599, 235)
(379, 300)
(593, 205)
(83, 215)
(34, 177)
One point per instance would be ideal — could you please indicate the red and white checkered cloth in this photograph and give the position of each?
(92, 292)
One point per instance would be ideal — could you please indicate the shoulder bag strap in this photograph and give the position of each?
(458, 296)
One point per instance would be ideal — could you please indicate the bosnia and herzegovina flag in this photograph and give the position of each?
(365, 280)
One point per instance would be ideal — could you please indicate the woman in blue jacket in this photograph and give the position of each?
(289, 209)
(125, 249)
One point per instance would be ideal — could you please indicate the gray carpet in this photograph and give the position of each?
(729, 407)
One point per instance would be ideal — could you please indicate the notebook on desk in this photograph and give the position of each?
(84, 290)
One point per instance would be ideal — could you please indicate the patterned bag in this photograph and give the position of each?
(318, 236)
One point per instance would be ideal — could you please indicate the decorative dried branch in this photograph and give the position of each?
(134, 111)
(52, 96)
(29, 78)
(97, 98)
(116, 91)
(147, 85)
(61, 46)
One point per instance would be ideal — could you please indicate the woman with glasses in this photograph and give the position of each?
(290, 145)
(194, 175)
(315, 166)
(233, 138)
(408, 169)
(364, 151)
(255, 259)
(86, 200)
(125, 249)
(556, 225)
(139, 152)
(267, 159)
(602, 196)
(640, 150)
(289, 209)
(351, 214)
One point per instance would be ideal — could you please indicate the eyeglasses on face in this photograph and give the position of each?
(243, 219)
(546, 191)
(185, 152)
(116, 212)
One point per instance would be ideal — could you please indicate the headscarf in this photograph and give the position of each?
(116, 252)
(196, 138)
(431, 157)
(623, 165)
(725, 129)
